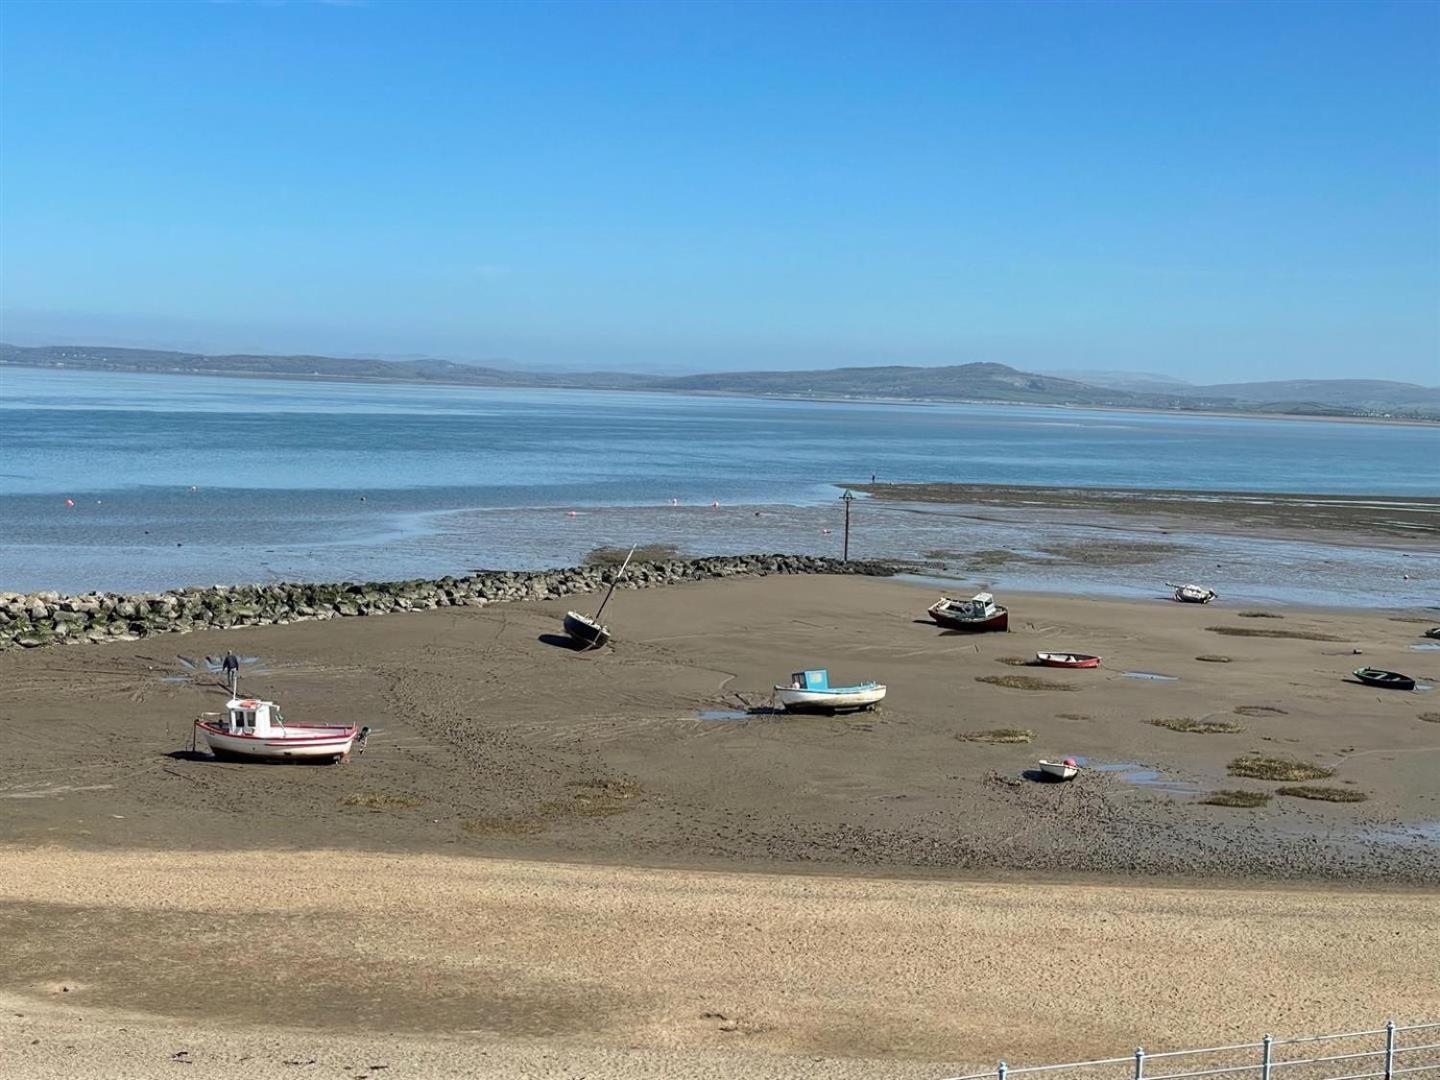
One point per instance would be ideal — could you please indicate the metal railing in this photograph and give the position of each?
(1386, 1055)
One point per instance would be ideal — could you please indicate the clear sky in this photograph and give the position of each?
(1215, 190)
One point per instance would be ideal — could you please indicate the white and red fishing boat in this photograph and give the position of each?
(980, 614)
(252, 729)
(1067, 659)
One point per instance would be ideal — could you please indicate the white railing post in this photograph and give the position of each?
(1265, 1057)
(1139, 1063)
(1389, 1048)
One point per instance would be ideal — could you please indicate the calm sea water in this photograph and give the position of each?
(182, 479)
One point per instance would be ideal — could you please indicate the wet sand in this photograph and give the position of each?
(553, 864)
(1339, 519)
(492, 738)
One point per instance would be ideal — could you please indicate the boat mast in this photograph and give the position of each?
(621, 574)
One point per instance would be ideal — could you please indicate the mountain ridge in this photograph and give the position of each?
(973, 382)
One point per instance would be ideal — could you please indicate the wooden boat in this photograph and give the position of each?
(255, 730)
(1192, 594)
(1060, 770)
(980, 614)
(1388, 680)
(1067, 659)
(810, 691)
(588, 633)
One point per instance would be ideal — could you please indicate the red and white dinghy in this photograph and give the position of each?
(253, 730)
(1067, 659)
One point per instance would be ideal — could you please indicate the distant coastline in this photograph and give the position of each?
(977, 384)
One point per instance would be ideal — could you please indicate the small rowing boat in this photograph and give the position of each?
(1060, 770)
(254, 730)
(810, 691)
(1192, 594)
(1067, 659)
(980, 614)
(1387, 680)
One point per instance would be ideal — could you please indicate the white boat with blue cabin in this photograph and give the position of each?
(810, 691)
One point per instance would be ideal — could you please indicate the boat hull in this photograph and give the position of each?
(308, 744)
(1058, 770)
(585, 633)
(989, 624)
(1384, 680)
(1190, 594)
(1067, 660)
(829, 701)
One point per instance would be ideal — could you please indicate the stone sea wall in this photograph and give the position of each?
(48, 618)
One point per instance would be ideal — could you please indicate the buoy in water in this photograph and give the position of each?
(570, 513)
(715, 505)
(69, 502)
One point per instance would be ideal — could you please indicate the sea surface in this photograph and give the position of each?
(119, 481)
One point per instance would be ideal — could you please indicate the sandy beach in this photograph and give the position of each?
(621, 863)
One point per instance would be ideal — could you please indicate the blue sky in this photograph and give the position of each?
(1215, 191)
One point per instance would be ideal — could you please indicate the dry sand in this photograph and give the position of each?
(426, 906)
(460, 966)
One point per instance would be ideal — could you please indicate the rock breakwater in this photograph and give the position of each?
(47, 618)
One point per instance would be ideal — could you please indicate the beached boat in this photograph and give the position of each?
(1192, 594)
(588, 633)
(810, 691)
(256, 730)
(1067, 659)
(585, 631)
(977, 615)
(1060, 770)
(1388, 680)
(1433, 632)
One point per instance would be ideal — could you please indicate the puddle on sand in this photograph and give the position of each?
(1132, 772)
(1150, 675)
(186, 663)
(721, 714)
(1426, 833)
(175, 678)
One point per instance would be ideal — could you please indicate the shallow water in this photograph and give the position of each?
(1130, 772)
(188, 480)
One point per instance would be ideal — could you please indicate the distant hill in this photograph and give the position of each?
(963, 382)
(1374, 394)
(1142, 382)
(105, 358)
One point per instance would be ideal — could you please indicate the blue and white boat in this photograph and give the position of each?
(810, 691)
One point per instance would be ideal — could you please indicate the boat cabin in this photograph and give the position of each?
(818, 679)
(248, 716)
(981, 605)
